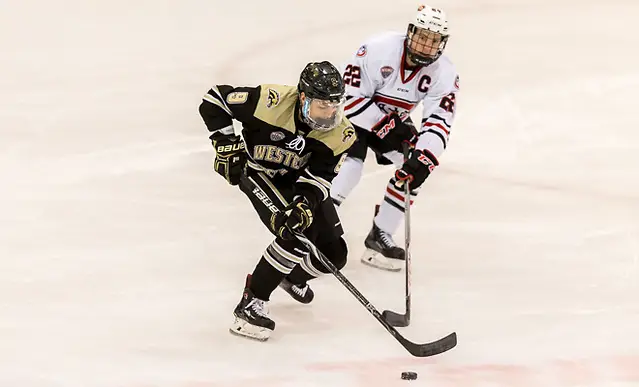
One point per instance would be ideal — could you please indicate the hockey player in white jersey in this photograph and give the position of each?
(385, 81)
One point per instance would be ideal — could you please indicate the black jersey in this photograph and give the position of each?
(278, 143)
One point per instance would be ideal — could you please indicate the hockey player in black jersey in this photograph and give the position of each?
(294, 142)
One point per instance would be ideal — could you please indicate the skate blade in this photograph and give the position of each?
(374, 259)
(244, 329)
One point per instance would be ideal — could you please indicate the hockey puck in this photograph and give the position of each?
(409, 375)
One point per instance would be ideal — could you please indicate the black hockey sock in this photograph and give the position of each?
(299, 276)
(265, 279)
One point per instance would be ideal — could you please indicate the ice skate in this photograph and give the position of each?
(381, 251)
(251, 317)
(301, 293)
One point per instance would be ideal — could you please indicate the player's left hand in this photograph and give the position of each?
(416, 169)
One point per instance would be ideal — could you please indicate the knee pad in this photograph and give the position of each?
(343, 254)
(336, 252)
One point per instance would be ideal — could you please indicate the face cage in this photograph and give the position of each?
(416, 56)
(320, 123)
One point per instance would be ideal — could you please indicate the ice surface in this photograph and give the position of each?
(122, 254)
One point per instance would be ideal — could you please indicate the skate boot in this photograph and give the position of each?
(251, 317)
(381, 250)
(301, 293)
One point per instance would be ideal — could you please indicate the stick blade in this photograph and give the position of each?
(431, 349)
(396, 319)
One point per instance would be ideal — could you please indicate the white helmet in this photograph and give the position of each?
(427, 35)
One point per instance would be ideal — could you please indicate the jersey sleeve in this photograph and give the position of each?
(359, 77)
(223, 103)
(439, 114)
(314, 182)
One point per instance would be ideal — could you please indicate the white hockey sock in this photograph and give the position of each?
(347, 178)
(391, 210)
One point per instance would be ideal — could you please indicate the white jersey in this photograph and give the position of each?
(377, 84)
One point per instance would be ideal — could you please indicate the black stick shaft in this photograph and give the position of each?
(407, 238)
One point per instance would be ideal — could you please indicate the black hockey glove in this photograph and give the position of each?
(297, 216)
(230, 157)
(395, 131)
(416, 169)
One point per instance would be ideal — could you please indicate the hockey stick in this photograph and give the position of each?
(418, 350)
(397, 319)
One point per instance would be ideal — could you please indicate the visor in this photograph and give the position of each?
(321, 114)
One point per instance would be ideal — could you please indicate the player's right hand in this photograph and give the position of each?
(296, 217)
(395, 131)
(230, 157)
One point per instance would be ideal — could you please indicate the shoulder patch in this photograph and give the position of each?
(276, 106)
(237, 97)
(273, 98)
(457, 82)
(386, 71)
(362, 51)
(347, 133)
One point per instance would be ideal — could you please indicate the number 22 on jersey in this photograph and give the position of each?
(352, 75)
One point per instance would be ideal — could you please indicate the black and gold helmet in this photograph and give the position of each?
(322, 80)
(322, 99)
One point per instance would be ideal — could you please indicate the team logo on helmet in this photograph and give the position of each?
(273, 98)
(423, 7)
(386, 71)
(362, 51)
